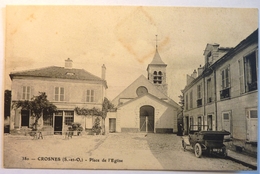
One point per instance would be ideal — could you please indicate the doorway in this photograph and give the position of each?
(58, 125)
(209, 121)
(252, 125)
(147, 118)
(186, 125)
(226, 118)
(25, 118)
(112, 125)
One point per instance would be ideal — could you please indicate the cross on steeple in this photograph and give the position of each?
(156, 40)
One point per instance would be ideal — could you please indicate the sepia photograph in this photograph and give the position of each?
(151, 88)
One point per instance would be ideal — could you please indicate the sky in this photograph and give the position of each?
(121, 37)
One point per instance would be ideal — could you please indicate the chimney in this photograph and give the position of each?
(68, 63)
(194, 74)
(200, 70)
(103, 72)
(189, 79)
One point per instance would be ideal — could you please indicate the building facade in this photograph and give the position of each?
(144, 105)
(65, 87)
(223, 94)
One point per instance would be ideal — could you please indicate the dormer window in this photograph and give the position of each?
(70, 73)
(209, 58)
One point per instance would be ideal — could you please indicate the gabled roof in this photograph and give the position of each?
(252, 38)
(209, 47)
(150, 96)
(130, 91)
(59, 73)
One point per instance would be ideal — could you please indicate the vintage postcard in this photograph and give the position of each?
(131, 88)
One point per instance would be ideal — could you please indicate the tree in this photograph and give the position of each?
(37, 105)
(180, 115)
(106, 106)
(7, 103)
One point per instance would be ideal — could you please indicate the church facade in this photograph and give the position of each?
(144, 105)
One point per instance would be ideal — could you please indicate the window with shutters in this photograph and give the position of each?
(26, 95)
(191, 99)
(225, 83)
(186, 102)
(250, 67)
(59, 94)
(241, 76)
(199, 96)
(209, 90)
(90, 95)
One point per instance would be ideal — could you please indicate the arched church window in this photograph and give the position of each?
(159, 80)
(155, 77)
(159, 77)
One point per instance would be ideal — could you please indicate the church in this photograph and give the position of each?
(144, 106)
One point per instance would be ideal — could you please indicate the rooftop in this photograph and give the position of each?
(157, 60)
(58, 72)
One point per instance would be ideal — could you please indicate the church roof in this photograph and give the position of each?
(157, 60)
(129, 92)
(152, 97)
(59, 73)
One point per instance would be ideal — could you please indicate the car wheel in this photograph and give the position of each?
(197, 150)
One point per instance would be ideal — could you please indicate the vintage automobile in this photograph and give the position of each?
(203, 140)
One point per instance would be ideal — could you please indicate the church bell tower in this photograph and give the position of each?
(157, 73)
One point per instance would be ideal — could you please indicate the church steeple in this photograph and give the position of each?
(157, 60)
(157, 71)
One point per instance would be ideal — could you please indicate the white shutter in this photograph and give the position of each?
(241, 76)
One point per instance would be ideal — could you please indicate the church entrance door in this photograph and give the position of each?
(147, 118)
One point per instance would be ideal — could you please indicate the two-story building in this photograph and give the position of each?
(223, 95)
(65, 87)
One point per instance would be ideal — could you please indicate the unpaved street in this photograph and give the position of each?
(113, 151)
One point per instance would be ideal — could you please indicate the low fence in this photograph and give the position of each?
(40, 134)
